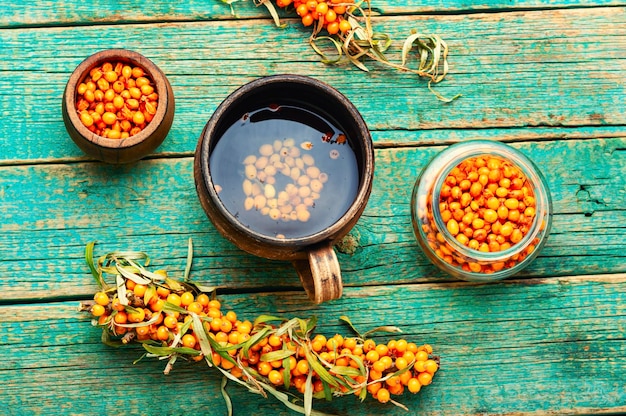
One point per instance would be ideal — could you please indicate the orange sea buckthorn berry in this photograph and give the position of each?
(139, 290)
(170, 321)
(275, 341)
(136, 316)
(186, 299)
(301, 10)
(174, 299)
(101, 298)
(195, 307)
(383, 395)
(189, 340)
(203, 299)
(120, 317)
(425, 378)
(307, 19)
(322, 8)
(97, 310)
(431, 366)
(414, 385)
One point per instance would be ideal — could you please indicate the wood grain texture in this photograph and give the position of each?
(47, 12)
(153, 206)
(559, 72)
(546, 76)
(521, 346)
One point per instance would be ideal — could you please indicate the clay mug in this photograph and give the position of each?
(284, 169)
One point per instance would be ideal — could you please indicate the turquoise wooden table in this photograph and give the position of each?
(546, 77)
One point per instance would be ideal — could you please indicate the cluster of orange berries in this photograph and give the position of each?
(487, 204)
(157, 313)
(330, 15)
(116, 101)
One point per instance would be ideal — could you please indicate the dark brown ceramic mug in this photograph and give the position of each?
(284, 169)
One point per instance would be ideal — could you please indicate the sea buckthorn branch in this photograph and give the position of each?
(175, 319)
(347, 26)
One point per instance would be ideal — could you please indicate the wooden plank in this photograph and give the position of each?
(537, 75)
(539, 346)
(48, 12)
(50, 212)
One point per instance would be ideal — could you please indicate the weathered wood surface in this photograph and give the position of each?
(539, 346)
(546, 76)
(153, 206)
(559, 72)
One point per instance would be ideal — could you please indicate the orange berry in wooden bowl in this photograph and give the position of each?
(118, 106)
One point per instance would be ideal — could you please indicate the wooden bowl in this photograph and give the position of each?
(133, 148)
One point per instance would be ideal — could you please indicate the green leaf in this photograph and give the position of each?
(89, 259)
(284, 399)
(203, 339)
(167, 351)
(261, 319)
(174, 285)
(391, 329)
(254, 339)
(150, 293)
(132, 276)
(189, 260)
(170, 307)
(321, 371)
(276, 355)
(349, 322)
(345, 370)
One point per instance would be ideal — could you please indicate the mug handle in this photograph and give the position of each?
(320, 274)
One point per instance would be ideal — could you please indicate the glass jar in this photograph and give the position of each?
(481, 210)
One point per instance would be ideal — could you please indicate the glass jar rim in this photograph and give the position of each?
(459, 152)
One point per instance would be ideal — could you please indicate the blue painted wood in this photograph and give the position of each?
(545, 76)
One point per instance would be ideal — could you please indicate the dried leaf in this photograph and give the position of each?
(229, 403)
(121, 290)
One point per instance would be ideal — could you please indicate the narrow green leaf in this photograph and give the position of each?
(266, 318)
(391, 329)
(334, 42)
(132, 276)
(276, 355)
(170, 307)
(150, 293)
(174, 285)
(308, 393)
(254, 339)
(89, 260)
(203, 339)
(286, 372)
(345, 370)
(189, 260)
(166, 351)
(273, 13)
(349, 322)
(321, 371)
